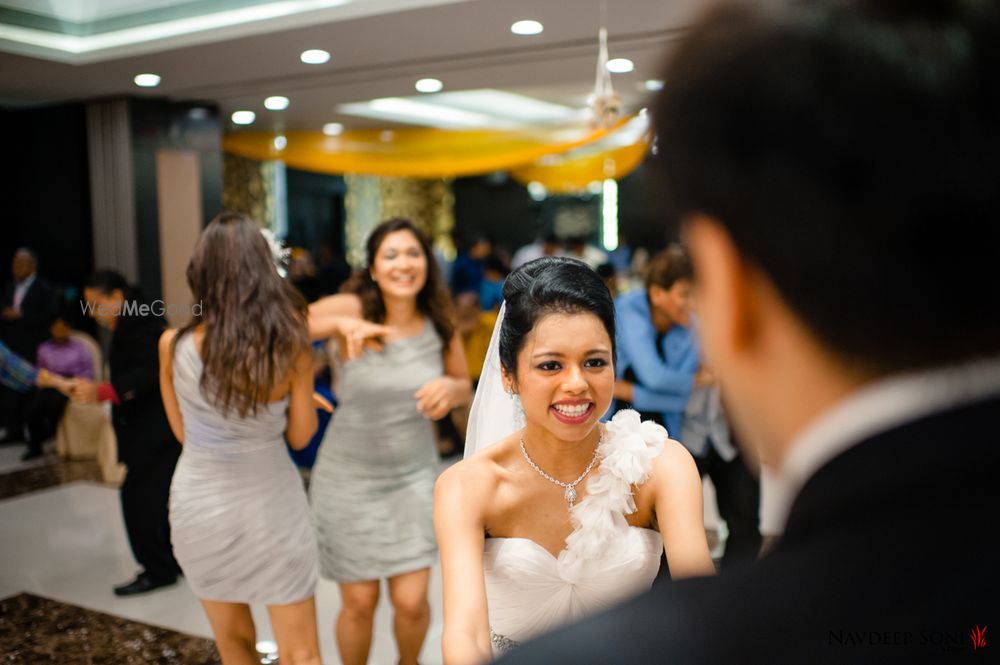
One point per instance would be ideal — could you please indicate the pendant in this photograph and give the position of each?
(570, 495)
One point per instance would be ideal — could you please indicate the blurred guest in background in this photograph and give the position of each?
(19, 375)
(27, 306)
(495, 271)
(581, 250)
(402, 367)
(547, 246)
(608, 275)
(145, 443)
(476, 327)
(467, 270)
(662, 370)
(302, 273)
(62, 356)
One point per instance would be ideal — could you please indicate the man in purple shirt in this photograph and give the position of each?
(62, 356)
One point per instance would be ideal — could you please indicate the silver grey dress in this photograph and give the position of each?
(372, 488)
(239, 518)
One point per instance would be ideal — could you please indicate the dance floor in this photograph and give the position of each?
(62, 548)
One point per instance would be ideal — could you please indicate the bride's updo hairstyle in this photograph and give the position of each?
(550, 285)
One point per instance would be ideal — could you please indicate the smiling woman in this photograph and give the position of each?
(532, 528)
(402, 367)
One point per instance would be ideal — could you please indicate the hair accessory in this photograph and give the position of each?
(279, 253)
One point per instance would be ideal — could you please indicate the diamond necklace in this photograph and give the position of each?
(570, 488)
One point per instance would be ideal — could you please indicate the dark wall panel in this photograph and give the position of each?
(46, 192)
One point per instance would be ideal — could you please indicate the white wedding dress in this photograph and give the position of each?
(605, 561)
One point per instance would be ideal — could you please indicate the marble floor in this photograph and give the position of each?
(63, 547)
(64, 544)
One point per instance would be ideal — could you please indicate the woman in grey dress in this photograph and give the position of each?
(402, 367)
(236, 381)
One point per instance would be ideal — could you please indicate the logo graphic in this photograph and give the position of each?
(978, 636)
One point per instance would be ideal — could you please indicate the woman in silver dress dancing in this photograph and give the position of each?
(236, 382)
(402, 367)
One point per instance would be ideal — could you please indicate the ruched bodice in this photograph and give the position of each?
(605, 561)
(530, 592)
(372, 487)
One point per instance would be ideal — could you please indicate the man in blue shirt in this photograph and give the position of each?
(658, 368)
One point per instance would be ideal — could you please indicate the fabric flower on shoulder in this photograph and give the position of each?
(630, 446)
(627, 451)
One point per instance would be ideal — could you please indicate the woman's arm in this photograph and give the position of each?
(679, 512)
(302, 420)
(437, 397)
(327, 314)
(340, 316)
(167, 394)
(458, 508)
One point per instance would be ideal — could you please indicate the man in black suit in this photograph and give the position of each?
(836, 167)
(145, 443)
(27, 306)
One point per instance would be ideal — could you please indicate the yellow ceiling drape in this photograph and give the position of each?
(440, 153)
(573, 172)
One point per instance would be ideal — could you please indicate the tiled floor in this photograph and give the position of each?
(67, 543)
(62, 548)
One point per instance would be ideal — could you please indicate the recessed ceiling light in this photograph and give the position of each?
(333, 128)
(620, 65)
(429, 85)
(315, 56)
(244, 117)
(653, 85)
(277, 103)
(526, 28)
(147, 80)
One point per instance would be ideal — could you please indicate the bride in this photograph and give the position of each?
(553, 515)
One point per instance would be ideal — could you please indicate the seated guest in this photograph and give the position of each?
(62, 356)
(27, 305)
(835, 168)
(20, 376)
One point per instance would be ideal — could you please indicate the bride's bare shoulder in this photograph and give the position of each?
(479, 475)
(675, 466)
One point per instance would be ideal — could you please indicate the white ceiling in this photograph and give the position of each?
(379, 49)
(86, 10)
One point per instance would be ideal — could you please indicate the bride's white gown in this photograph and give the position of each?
(605, 561)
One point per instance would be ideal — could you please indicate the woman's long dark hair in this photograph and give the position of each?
(255, 322)
(433, 300)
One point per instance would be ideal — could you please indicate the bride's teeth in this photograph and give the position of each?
(572, 410)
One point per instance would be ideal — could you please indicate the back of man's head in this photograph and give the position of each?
(850, 149)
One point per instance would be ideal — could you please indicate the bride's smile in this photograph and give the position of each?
(565, 377)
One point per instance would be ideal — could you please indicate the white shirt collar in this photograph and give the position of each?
(877, 407)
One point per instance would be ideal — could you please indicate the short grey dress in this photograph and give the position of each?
(372, 488)
(239, 518)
